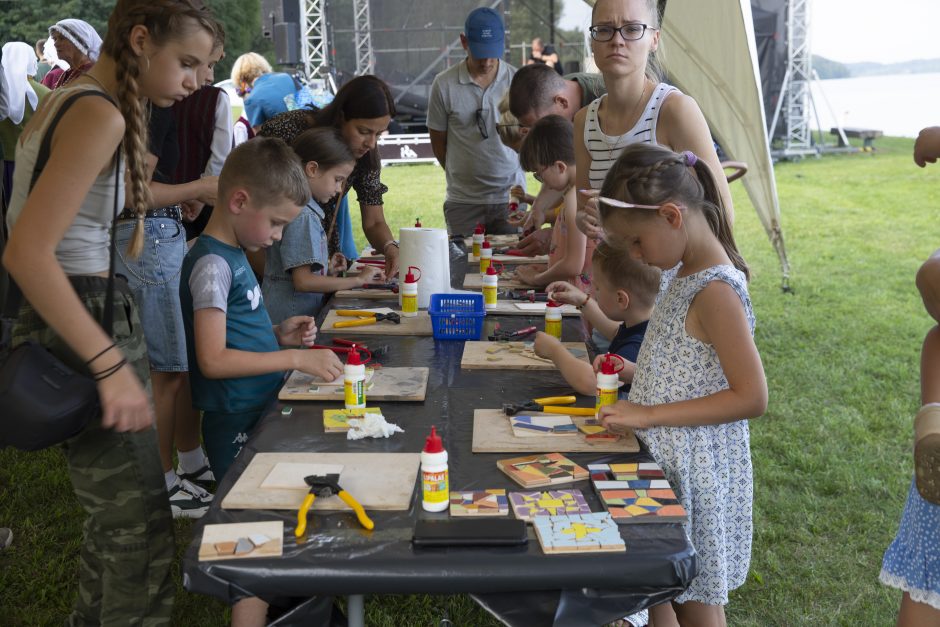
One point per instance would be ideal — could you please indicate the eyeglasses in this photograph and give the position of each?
(481, 124)
(613, 202)
(537, 174)
(629, 32)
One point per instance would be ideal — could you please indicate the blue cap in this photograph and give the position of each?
(486, 36)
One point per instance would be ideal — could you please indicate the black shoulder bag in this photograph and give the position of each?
(44, 401)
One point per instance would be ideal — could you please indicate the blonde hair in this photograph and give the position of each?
(164, 20)
(248, 67)
(269, 169)
(623, 272)
(645, 174)
(508, 127)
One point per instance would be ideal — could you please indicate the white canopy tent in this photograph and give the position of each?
(710, 54)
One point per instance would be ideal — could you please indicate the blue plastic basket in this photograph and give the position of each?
(457, 316)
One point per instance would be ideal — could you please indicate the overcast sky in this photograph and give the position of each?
(848, 30)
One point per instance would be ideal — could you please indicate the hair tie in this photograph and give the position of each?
(690, 158)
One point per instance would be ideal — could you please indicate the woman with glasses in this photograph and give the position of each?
(638, 107)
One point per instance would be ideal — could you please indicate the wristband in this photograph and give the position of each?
(104, 374)
(582, 305)
(89, 362)
(391, 242)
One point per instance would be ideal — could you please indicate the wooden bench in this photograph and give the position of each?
(867, 135)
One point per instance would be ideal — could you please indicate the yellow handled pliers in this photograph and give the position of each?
(365, 318)
(326, 486)
(549, 405)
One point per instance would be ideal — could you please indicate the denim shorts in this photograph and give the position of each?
(154, 278)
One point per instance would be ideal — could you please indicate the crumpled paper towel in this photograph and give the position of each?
(371, 426)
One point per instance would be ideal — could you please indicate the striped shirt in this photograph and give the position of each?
(604, 149)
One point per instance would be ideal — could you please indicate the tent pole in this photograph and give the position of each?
(780, 99)
(845, 140)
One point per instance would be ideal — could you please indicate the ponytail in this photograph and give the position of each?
(717, 216)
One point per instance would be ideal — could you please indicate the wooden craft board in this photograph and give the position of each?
(380, 481)
(510, 308)
(231, 532)
(510, 260)
(474, 281)
(367, 294)
(476, 357)
(388, 384)
(419, 325)
(507, 239)
(492, 433)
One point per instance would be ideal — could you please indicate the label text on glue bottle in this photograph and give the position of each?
(435, 486)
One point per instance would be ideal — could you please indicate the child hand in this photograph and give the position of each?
(320, 363)
(623, 415)
(546, 345)
(297, 330)
(527, 274)
(588, 218)
(338, 264)
(371, 274)
(566, 293)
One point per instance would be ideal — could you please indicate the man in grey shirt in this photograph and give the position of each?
(462, 115)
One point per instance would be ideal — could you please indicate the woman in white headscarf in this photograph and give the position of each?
(78, 44)
(21, 96)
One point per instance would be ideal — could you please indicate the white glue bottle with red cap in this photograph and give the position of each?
(478, 236)
(514, 200)
(608, 381)
(486, 256)
(435, 488)
(553, 318)
(354, 380)
(490, 279)
(409, 293)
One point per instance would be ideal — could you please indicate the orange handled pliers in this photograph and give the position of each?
(365, 318)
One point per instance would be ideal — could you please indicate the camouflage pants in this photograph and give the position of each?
(128, 548)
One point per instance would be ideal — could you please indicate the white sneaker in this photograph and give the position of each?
(202, 477)
(188, 500)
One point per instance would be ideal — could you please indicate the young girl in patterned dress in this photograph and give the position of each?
(698, 374)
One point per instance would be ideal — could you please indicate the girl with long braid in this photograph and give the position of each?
(58, 254)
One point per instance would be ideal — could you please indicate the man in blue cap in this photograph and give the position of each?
(462, 115)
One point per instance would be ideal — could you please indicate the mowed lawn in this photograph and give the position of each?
(832, 456)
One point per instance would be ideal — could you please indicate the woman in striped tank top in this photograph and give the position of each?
(638, 107)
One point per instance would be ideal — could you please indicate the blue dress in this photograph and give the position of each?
(709, 466)
(912, 562)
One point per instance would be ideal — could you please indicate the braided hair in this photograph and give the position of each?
(164, 20)
(652, 175)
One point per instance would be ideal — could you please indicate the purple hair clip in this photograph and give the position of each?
(690, 158)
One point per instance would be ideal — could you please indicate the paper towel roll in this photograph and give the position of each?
(428, 249)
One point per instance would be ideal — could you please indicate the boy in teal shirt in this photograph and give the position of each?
(236, 365)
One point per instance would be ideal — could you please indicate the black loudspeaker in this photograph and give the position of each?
(278, 11)
(287, 43)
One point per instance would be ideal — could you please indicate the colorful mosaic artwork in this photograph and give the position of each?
(636, 493)
(479, 503)
(543, 425)
(588, 533)
(595, 432)
(528, 505)
(534, 471)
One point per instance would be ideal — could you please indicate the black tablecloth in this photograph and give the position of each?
(521, 586)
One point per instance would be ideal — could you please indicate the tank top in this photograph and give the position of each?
(84, 248)
(604, 149)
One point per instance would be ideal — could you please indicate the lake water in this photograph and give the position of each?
(899, 105)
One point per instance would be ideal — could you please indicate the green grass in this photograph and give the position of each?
(832, 456)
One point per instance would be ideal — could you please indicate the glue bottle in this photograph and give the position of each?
(486, 256)
(477, 240)
(409, 293)
(608, 381)
(354, 381)
(489, 288)
(553, 318)
(514, 200)
(435, 490)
